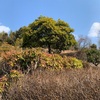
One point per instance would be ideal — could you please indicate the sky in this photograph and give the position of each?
(82, 15)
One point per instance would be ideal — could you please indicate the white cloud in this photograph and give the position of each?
(94, 30)
(4, 28)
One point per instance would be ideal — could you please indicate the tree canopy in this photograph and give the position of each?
(46, 32)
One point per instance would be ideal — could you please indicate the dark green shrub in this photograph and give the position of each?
(93, 56)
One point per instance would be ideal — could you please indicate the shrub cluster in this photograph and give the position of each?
(30, 58)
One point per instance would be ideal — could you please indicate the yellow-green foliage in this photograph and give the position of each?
(51, 61)
(15, 74)
(55, 61)
(3, 83)
(75, 63)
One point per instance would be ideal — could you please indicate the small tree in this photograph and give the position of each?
(12, 38)
(93, 46)
(83, 42)
(3, 37)
(93, 56)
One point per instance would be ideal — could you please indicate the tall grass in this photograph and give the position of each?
(68, 84)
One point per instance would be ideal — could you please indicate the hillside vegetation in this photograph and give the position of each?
(43, 61)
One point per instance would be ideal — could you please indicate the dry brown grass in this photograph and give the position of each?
(70, 84)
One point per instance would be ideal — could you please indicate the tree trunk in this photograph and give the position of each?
(49, 48)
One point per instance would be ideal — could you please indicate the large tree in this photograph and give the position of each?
(46, 32)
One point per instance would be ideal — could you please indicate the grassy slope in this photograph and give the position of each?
(71, 84)
(66, 84)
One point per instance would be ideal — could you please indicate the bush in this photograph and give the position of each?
(5, 47)
(19, 60)
(7, 79)
(75, 63)
(93, 56)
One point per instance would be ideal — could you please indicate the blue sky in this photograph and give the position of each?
(82, 15)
